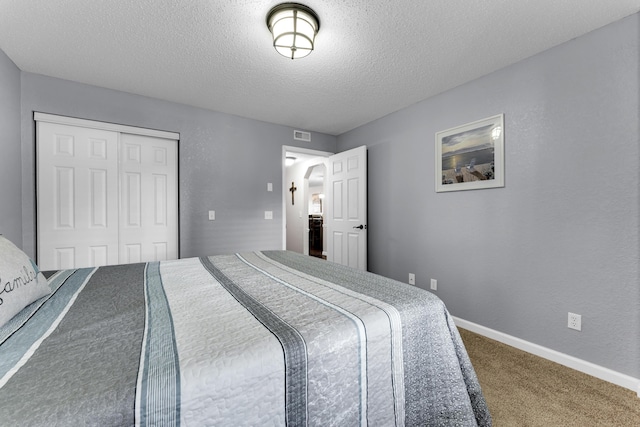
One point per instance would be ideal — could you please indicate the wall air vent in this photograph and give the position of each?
(302, 136)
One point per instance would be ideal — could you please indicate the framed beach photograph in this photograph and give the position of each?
(471, 156)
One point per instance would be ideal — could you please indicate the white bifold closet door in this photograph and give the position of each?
(104, 197)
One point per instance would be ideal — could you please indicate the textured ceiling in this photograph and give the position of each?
(372, 57)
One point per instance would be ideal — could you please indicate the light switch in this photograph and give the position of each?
(269, 186)
(212, 215)
(268, 214)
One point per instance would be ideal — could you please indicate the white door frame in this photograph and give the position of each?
(73, 121)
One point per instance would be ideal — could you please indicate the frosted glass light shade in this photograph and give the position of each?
(294, 27)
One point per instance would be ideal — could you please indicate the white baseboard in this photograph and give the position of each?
(589, 368)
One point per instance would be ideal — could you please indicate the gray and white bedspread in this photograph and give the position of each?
(258, 339)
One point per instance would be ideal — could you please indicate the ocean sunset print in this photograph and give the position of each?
(466, 156)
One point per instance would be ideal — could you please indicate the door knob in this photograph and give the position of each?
(360, 226)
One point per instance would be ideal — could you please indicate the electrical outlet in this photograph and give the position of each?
(434, 285)
(412, 279)
(268, 214)
(575, 321)
(212, 215)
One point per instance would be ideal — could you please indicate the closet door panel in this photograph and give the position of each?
(131, 195)
(150, 220)
(77, 192)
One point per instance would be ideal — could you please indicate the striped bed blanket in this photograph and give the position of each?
(252, 339)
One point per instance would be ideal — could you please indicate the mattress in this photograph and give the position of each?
(268, 338)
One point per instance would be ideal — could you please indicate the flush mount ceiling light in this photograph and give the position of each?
(289, 160)
(294, 27)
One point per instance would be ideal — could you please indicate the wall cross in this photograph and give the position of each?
(293, 189)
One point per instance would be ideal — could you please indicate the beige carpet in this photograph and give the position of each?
(525, 390)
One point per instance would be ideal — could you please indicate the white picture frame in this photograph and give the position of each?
(470, 156)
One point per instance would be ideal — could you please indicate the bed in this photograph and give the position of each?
(258, 339)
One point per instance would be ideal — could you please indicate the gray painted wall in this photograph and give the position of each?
(562, 235)
(225, 162)
(10, 178)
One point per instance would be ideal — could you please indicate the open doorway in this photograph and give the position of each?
(344, 208)
(303, 200)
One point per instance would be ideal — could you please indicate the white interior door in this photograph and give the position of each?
(346, 202)
(148, 197)
(77, 189)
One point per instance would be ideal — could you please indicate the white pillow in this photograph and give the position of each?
(21, 282)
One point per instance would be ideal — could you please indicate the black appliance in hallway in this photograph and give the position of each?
(315, 235)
